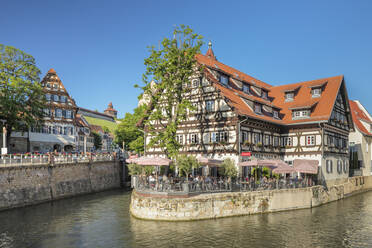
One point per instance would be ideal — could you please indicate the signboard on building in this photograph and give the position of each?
(246, 154)
(4, 151)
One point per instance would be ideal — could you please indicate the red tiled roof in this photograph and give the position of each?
(358, 114)
(216, 65)
(96, 128)
(51, 70)
(321, 106)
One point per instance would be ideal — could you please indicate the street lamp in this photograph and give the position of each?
(4, 149)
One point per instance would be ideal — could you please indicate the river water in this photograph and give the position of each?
(103, 220)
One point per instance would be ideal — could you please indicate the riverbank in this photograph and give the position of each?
(218, 205)
(23, 185)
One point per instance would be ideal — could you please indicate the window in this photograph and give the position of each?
(55, 98)
(224, 80)
(329, 166)
(244, 136)
(316, 92)
(276, 141)
(194, 139)
(264, 94)
(63, 99)
(58, 113)
(217, 137)
(68, 114)
(195, 83)
(48, 85)
(46, 112)
(289, 96)
(267, 140)
(65, 130)
(345, 166)
(300, 114)
(275, 114)
(179, 138)
(258, 108)
(257, 138)
(339, 166)
(287, 141)
(310, 140)
(209, 105)
(55, 86)
(48, 96)
(246, 89)
(55, 131)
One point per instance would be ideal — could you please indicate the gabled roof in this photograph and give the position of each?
(358, 115)
(321, 106)
(238, 75)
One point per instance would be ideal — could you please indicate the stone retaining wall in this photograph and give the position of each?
(27, 185)
(216, 205)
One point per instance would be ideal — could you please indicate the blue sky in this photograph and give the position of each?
(98, 47)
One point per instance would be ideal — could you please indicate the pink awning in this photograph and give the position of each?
(149, 161)
(209, 161)
(283, 168)
(306, 166)
(265, 162)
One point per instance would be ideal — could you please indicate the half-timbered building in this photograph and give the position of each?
(58, 130)
(237, 113)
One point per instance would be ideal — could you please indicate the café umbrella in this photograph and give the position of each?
(149, 161)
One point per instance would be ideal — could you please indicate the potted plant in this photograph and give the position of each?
(185, 165)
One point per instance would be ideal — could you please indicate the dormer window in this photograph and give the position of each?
(258, 108)
(299, 114)
(316, 92)
(275, 114)
(246, 89)
(264, 94)
(289, 96)
(224, 80)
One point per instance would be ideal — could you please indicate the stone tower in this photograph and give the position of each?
(111, 111)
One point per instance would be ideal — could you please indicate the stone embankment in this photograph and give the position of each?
(217, 205)
(32, 184)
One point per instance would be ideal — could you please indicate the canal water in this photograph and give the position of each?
(103, 220)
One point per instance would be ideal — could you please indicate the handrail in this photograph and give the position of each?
(50, 158)
(215, 185)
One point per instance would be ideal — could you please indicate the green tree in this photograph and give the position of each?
(21, 95)
(230, 169)
(134, 169)
(168, 70)
(97, 140)
(186, 163)
(128, 131)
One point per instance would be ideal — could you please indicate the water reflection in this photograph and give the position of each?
(102, 220)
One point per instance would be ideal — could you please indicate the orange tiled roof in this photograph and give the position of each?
(321, 106)
(216, 65)
(358, 115)
(96, 128)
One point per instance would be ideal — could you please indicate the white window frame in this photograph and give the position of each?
(195, 83)
(209, 105)
(289, 96)
(310, 140)
(275, 114)
(179, 138)
(58, 113)
(316, 92)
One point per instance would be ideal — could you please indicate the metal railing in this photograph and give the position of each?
(31, 159)
(210, 185)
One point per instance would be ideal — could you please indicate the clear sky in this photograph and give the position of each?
(98, 47)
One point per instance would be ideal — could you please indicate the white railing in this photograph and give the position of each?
(46, 159)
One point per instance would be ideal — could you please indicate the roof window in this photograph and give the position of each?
(316, 92)
(258, 108)
(246, 89)
(300, 114)
(289, 96)
(276, 114)
(224, 80)
(264, 94)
